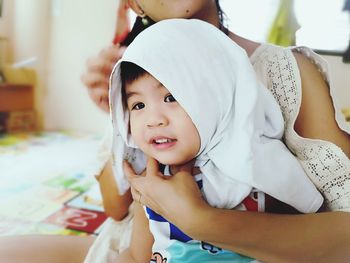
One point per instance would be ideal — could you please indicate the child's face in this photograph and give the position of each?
(159, 125)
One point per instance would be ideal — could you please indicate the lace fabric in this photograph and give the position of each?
(324, 162)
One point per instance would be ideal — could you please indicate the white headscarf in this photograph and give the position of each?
(239, 122)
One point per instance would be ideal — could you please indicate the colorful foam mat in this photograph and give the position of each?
(48, 185)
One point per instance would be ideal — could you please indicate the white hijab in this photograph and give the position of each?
(239, 122)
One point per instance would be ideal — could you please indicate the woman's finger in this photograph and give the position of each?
(95, 79)
(136, 195)
(128, 170)
(111, 53)
(100, 96)
(152, 166)
(121, 51)
(134, 179)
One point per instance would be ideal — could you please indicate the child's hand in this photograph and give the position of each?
(96, 77)
(174, 197)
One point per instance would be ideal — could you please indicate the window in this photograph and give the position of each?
(323, 24)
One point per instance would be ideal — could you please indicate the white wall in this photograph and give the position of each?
(341, 80)
(30, 38)
(62, 34)
(79, 29)
(6, 29)
(5, 20)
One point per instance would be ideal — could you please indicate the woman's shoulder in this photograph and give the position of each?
(277, 68)
(297, 63)
(266, 53)
(315, 129)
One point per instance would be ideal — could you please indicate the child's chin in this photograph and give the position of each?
(168, 162)
(165, 162)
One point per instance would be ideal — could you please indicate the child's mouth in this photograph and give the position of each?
(163, 140)
(163, 143)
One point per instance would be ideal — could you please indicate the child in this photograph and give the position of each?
(175, 101)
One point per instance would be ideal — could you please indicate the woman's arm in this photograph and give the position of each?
(115, 205)
(323, 237)
(140, 249)
(316, 119)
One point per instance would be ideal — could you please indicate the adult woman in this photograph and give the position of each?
(304, 119)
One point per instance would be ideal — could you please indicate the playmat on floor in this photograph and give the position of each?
(47, 184)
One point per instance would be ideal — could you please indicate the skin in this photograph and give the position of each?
(267, 237)
(44, 248)
(313, 121)
(117, 208)
(142, 239)
(165, 9)
(97, 76)
(155, 116)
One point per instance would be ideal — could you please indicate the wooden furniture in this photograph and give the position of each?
(17, 108)
(16, 97)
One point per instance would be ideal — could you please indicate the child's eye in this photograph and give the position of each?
(169, 98)
(138, 106)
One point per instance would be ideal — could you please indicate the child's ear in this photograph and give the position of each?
(135, 7)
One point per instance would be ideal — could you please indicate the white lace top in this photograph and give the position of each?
(324, 162)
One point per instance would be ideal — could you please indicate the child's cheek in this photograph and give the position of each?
(136, 133)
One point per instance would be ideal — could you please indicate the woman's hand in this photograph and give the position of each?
(177, 197)
(96, 77)
(264, 236)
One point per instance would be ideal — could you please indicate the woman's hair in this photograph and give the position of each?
(129, 72)
(139, 26)
(220, 12)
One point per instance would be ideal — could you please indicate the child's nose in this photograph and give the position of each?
(157, 119)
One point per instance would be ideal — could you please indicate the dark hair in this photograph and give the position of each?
(129, 72)
(137, 28)
(220, 12)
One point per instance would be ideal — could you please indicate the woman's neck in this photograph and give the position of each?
(209, 13)
(173, 169)
(248, 45)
